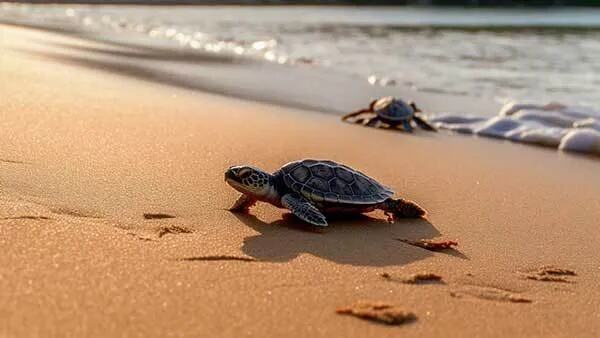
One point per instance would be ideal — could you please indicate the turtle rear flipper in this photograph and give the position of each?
(406, 125)
(303, 209)
(423, 123)
(401, 208)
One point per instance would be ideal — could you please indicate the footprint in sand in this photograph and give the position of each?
(3, 160)
(73, 212)
(160, 231)
(27, 217)
(172, 230)
(549, 273)
(416, 278)
(141, 237)
(378, 312)
(489, 293)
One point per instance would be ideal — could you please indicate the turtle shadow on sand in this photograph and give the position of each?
(360, 241)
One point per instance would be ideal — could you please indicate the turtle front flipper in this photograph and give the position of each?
(371, 122)
(407, 126)
(243, 203)
(303, 209)
(356, 113)
(414, 107)
(423, 123)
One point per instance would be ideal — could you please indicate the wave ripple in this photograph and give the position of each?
(567, 128)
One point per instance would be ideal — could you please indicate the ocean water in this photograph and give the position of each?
(566, 128)
(505, 55)
(502, 55)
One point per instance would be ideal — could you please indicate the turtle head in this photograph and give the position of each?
(251, 181)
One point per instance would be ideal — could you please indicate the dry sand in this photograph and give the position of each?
(85, 153)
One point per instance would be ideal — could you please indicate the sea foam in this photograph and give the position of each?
(567, 128)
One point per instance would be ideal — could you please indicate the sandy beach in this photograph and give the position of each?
(94, 150)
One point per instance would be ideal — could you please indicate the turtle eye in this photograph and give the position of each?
(245, 174)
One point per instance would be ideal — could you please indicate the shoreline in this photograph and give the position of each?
(292, 86)
(330, 3)
(234, 76)
(88, 153)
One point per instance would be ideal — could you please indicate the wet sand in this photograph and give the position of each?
(113, 217)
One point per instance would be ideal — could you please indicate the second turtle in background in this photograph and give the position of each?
(391, 111)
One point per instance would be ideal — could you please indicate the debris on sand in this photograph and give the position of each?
(430, 245)
(378, 312)
(385, 275)
(220, 258)
(550, 273)
(416, 278)
(422, 277)
(157, 216)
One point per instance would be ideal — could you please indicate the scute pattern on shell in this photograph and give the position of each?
(393, 109)
(328, 181)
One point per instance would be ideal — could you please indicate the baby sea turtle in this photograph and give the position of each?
(393, 112)
(312, 188)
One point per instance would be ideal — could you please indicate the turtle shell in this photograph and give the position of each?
(393, 109)
(330, 182)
